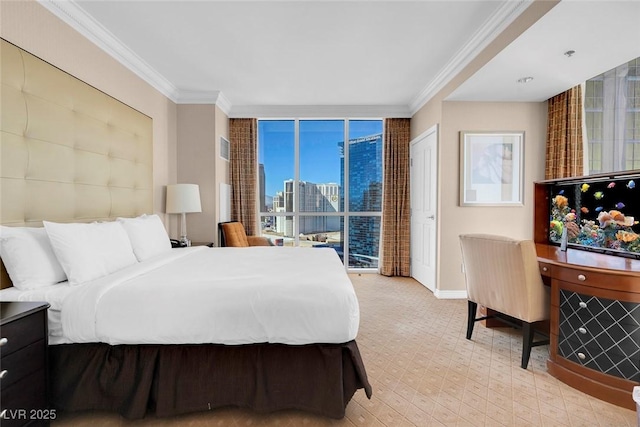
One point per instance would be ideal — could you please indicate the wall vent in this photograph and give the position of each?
(224, 148)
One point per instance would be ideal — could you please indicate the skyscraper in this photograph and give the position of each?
(311, 198)
(261, 184)
(365, 195)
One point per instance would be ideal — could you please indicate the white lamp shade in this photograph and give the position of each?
(183, 198)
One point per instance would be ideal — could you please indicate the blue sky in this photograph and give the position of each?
(319, 151)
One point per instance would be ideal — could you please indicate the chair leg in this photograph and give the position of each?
(472, 308)
(527, 341)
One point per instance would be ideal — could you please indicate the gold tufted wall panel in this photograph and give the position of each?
(68, 152)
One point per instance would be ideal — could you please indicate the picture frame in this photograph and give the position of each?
(491, 168)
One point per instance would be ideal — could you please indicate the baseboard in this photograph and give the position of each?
(450, 294)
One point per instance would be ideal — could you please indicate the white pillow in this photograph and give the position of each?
(28, 257)
(90, 251)
(147, 235)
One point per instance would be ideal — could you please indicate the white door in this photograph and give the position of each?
(424, 175)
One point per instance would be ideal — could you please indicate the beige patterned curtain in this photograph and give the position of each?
(243, 137)
(396, 226)
(564, 135)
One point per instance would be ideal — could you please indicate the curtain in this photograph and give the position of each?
(564, 155)
(396, 225)
(243, 134)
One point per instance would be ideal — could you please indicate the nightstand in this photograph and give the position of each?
(23, 364)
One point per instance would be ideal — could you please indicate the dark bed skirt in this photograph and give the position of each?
(166, 380)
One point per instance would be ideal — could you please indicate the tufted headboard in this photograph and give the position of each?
(68, 152)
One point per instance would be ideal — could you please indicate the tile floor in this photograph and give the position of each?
(425, 373)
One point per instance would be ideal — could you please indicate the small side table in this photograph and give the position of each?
(23, 354)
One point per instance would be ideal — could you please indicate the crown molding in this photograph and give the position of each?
(315, 111)
(197, 97)
(214, 97)
(223, 103)
(504, 16)
(73, 15)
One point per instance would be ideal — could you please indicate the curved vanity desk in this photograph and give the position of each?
(595, 321)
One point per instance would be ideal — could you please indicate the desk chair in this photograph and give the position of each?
(502, 274)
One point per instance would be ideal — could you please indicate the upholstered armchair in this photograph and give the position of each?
(233, 234)
(502, 275)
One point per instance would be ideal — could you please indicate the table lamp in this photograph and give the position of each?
(183, 199)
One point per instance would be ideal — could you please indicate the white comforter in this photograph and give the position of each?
(218, 295)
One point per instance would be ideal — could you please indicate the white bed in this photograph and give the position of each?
(193, 329)
(231, 296)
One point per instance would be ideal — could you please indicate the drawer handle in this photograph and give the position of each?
(581, 356)
(582, 304)
(545, 269)
(582, 277)
(3, 341)
(582, 331)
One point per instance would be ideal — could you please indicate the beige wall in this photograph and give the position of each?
(222, 165)
(200, 127)
(185, 137)
(196, 164)
(453, 117)
(511, 221)
(33, 28)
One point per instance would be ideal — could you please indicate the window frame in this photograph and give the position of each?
(346, 212)
(617, 151)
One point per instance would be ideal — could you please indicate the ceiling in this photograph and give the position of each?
(393, 55)
(603, 34)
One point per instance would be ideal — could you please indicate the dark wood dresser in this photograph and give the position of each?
(595, 314)
(23, 364)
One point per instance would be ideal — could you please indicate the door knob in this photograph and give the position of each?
(431, 217)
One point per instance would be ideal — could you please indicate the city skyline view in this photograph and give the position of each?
(320, 146)
(311, 211)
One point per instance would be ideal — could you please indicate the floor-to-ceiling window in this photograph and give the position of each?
(320, 184)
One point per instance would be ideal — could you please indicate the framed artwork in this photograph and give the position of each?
(491, 168)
